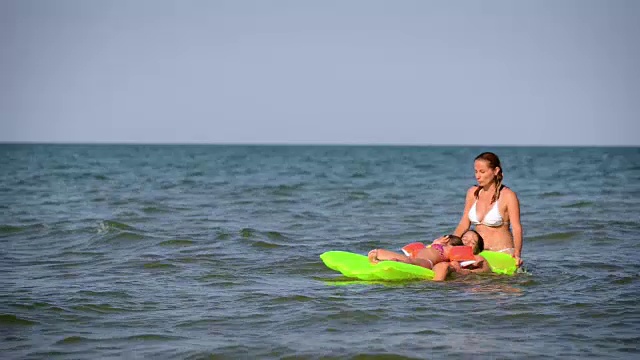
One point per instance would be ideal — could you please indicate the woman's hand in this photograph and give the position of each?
(518, 261)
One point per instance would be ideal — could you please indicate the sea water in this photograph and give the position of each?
(189, 252)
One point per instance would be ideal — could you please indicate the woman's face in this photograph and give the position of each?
(470, 239)
(484, 174)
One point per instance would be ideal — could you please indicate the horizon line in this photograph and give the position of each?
(355, 144)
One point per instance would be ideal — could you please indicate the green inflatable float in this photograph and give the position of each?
(357, 266)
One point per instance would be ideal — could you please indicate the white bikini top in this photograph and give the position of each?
(491, 218)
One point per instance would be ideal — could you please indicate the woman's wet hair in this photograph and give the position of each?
(479, 246)
(494, 162)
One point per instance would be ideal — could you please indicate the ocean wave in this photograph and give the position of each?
(10, 319)
(102, 308)
(262, 244)
(10, 229)
(139, 337)
(551, 194)
(40, 306)
(125, 235)
(561, 235)
(105, 294)
(579, 205)
(154, 210)
(108, 225)
(158, 265)
(177, 242)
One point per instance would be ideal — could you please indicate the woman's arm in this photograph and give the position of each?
(513, 208)
(464, 223)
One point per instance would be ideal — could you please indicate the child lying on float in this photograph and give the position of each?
(444, 255)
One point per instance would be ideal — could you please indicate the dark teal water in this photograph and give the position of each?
(114, 251)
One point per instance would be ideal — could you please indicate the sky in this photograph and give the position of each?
(544, 72)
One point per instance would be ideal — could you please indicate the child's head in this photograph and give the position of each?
(454, 240)
(473, 239)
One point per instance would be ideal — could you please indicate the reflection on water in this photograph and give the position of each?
(495, 289)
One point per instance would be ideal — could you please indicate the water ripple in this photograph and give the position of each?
(212, 251)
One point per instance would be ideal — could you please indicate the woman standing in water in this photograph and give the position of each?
(491, 207)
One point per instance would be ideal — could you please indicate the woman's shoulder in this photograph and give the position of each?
(471, 193)
(472, 189)
(507, 192)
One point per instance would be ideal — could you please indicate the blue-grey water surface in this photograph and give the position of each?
(189, 252)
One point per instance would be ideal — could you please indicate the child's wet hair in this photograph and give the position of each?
(454, 240)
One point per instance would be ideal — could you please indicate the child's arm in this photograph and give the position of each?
(480, 266)
(443, 240)
(455, 266)
(441, 270)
